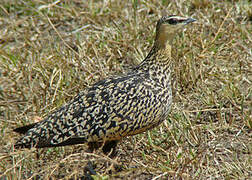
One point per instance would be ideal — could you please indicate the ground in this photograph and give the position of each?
(51, 50)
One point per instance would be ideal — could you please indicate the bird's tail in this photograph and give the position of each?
(24, 129)
(34, 137)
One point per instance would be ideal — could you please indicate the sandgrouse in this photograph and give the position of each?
(115, 107)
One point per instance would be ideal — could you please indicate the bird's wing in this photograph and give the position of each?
(127, 107)
(111, 109)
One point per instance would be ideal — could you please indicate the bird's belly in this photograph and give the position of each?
(139, 124)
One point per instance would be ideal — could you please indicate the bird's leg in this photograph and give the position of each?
(89, 171)
(89, 168)
(94, 146)
(108, 146)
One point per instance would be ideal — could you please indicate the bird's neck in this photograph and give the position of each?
(163, 52)
(163, 40)
(159, 55)
(158, 64)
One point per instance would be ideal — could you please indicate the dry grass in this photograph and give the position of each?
(208, 134)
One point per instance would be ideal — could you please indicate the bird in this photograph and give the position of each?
(117, 106)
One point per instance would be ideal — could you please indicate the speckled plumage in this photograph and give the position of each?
(115, 107)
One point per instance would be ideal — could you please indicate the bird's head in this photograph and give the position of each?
(168, 26)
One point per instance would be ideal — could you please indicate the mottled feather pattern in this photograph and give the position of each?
(114, 107)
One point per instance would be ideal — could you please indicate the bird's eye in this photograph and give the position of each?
(172, 21)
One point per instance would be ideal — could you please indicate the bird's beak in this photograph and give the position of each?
(189, 20)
